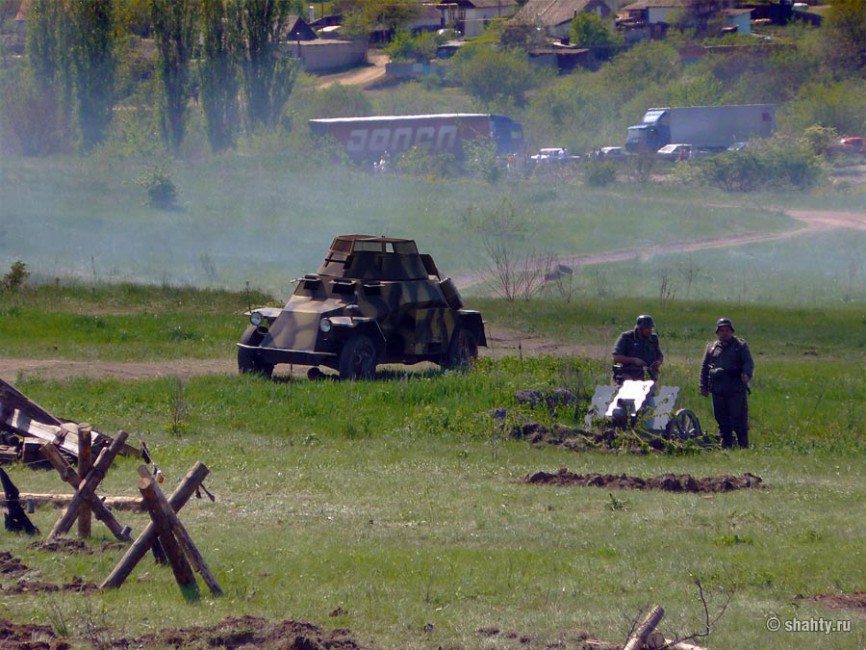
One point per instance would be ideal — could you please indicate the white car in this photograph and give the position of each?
(675, 152)
(611, 153)
(552, 155)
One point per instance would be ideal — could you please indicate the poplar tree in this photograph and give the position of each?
(218, 73)
(173, 24)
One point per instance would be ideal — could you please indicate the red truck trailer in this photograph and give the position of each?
(369, 138)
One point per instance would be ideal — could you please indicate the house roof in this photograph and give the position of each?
(553, 12)
(661, 4)
(487, 4)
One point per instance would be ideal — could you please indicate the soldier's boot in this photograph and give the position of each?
(727, 439)
(743, 439)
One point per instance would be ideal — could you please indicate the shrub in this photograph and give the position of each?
(600, 174)
(420, 162)
(161, 190)
(15, 278)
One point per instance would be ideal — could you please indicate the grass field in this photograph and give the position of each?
(265, 219)
(396, 508)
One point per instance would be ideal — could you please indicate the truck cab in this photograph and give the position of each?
(650, 135)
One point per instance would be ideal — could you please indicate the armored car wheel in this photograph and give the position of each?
(358, 358)
(684, 425)
(462, 350)
(248, 361)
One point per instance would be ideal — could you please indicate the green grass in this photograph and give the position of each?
(400, 502)
(267, 218)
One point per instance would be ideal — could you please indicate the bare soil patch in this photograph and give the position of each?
(247, 632)
(855, 601)
(666, 482)
(29, 637)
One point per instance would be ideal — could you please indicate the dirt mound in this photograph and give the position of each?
(36, 587)
(11, 566)
(29, 637)
(667, 482)
(855, 601)
(248, 632)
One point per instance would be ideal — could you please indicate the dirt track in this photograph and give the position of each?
(502, 342)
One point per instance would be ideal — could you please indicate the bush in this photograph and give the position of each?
(161, 190)
(600, 174)
(771, 165)
(15, 278)
(420, 162)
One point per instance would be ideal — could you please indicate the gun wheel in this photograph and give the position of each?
(358, 358)
(684, 425)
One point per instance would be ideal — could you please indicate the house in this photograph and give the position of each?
(555, 16)
(651, 18)
(296, 29)
(471, 17)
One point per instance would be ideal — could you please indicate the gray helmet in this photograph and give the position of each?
(645, 320)
(724, 322)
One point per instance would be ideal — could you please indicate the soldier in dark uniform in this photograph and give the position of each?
(726, 372)
(636, 350)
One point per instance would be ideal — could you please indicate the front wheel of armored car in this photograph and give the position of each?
(358, 358)
(463, 349)
(684, 425)
(248, 361)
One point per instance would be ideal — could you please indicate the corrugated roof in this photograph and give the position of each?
(553, 12)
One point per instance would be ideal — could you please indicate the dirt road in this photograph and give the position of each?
(363, 77)
(502, 342)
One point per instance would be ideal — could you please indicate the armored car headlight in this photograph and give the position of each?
(325, 325)
(256, 318)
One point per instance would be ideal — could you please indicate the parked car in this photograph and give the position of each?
(675, 152)
(851, 146)
(553, 155)
(612, 153)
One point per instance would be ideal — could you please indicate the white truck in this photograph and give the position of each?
(713, 128)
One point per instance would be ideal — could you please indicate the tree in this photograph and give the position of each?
(845, 40)
(589, 30)
(219, 72)
(94, 65)
(362, 17)
(268, 74)
(173, 23)
(490, 74)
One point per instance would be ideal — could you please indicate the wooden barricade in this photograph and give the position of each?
(167, 533)
(85, 494)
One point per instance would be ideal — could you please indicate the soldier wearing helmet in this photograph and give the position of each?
(636, 350)
(726, 372)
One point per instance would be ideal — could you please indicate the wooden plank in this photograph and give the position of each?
(88, 486)
(183, 537)
(140, 546)
(62, 500)
(69, 475)
(11, 397)
(85, 464)
(179, 564)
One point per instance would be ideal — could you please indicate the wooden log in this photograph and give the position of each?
(179, 564)
(183, 537)
(637, 639)
(88, 486)
(100, 510)
(38, 499)
(85, 464)
(682, 645)
(140, 546)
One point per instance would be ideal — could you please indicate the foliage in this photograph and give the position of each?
(338, 100)
(491, 75)
(30, 121)
(776, 163)
(93, 64)
(820, 140)
(174, 23)
(837, 105)
(268, 76)
(161, 190)
(408, 47)
(218, 72)
(15, 278)
(845, 38)
(419, 161)
(590, 30)
(481, 161)
(362, 17)
(601, 174)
